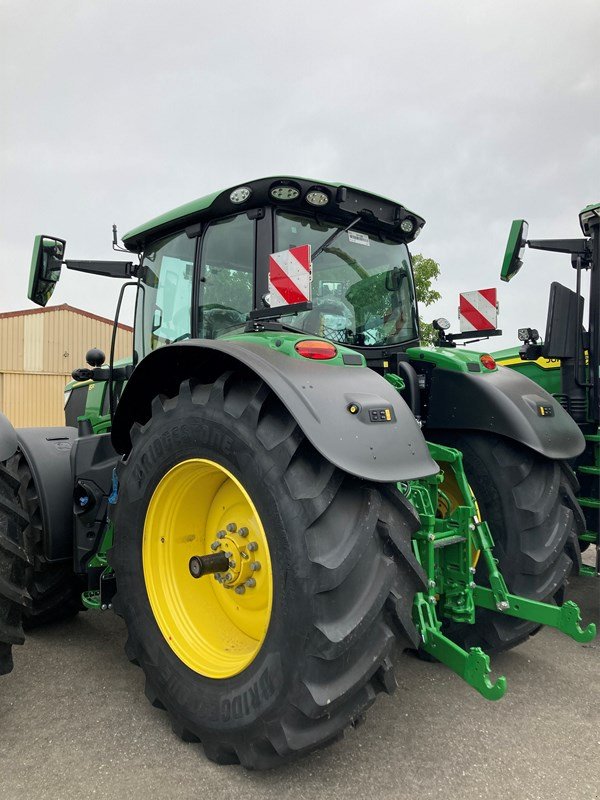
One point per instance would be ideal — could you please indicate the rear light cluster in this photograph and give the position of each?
(487, 361)
(316, 349)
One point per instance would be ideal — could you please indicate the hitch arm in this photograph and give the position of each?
(565, 618)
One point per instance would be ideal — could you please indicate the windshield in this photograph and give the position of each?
(362, 292)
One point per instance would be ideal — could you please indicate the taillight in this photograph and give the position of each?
(487, 361)
(316, 348)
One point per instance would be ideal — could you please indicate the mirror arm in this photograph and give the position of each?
(560, 245)
(103, 267)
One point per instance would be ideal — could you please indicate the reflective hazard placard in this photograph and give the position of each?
(290, 276)
(478, 310)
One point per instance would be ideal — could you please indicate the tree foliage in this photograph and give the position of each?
(426, 272)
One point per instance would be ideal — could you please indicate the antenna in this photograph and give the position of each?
(115, 241)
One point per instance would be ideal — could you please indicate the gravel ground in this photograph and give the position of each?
(75, 724)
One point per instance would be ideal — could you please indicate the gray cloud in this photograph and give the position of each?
(470, 113)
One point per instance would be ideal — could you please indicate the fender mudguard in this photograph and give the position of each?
(8, 439)
(503, 402)
(47, 452)
(317, 395)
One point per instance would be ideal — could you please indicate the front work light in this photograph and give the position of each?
(407, 225)
(285, 192)
(240, 195)
(317, 198)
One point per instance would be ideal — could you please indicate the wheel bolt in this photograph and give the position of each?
(215, 545)
(251, 583)
(239, 590)
(221, 535)
(245, 556)
(218, 577)
(255, 566)
(243, 531)
(252, 546)
(232, 527)
(228, 577)
(228, 554)
(232, 563)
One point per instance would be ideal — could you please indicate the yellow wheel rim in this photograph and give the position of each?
(215, 624)
(450, 497)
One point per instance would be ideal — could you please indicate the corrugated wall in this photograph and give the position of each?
(32, 400)
(37, 355)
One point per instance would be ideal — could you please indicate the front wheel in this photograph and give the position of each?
(522, 496)
(288, 644)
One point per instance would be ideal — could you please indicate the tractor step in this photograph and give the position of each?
(589, 470)
(589, 502)
(592, 437)
(589, 536)
(588, 572)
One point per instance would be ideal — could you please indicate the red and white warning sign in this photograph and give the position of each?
(290, 276)
(478, 310)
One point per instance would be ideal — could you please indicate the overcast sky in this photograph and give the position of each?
(469, 113)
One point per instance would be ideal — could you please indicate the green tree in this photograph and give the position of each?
(426, 272)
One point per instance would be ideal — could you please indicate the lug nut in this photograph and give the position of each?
(232, 563)
(232, 527)
(239, 590)
(243, 531)
(252, 546)
(228, 577)
(215, 545)
(228, 554)
(221, 535)
(255, 566)
(250, 583)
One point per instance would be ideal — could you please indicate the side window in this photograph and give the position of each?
(226, 276)
(164, 305)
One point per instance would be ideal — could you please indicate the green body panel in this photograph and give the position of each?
(450, 358)
(544, 371)
(285, 341)
(195, 207)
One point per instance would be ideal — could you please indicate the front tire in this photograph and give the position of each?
(14, 599)
(342, 576)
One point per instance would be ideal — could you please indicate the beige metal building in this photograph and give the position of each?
(39, 348)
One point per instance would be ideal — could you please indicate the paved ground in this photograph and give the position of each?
(75, 724)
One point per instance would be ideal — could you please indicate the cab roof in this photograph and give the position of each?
(344, 202)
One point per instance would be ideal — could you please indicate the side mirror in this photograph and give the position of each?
(515, 247)
(46, 262)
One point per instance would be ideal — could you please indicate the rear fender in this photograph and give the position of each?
(47, 452)
(8, 439)
(317, 395)
(503, 402)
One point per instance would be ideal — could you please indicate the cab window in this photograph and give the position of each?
(164, 304)
(226, 276)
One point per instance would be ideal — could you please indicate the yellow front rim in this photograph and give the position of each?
(215, 624)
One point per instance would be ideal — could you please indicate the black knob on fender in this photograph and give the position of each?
(95, 357)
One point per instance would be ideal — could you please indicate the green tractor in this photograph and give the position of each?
(567, 363)
(282, 484)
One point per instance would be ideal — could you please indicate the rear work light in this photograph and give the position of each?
(487, 361)
(317, 349)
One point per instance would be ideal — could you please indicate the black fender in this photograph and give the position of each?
(316, 394)
(503, 402)
(47, 452)
(8, 439)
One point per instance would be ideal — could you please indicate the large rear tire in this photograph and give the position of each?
(335, 553)
(13, 564)
(54, 588)
(523, 497)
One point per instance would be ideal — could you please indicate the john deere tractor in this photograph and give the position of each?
(567, 362)
(282, 484)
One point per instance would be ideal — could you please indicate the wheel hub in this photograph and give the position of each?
(243, 553)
